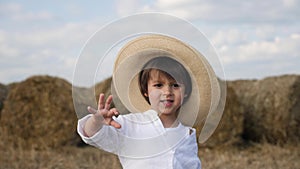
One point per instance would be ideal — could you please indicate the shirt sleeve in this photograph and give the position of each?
(106, 138)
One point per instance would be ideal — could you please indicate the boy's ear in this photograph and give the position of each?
(145, 94)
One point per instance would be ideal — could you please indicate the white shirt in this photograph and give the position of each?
(143, 142)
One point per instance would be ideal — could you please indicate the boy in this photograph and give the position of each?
(159, 136)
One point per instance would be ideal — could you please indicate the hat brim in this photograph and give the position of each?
(134, 55)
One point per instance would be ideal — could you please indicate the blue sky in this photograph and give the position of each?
(254, 39)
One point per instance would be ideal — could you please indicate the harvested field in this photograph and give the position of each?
(259, 127)
(254, 156)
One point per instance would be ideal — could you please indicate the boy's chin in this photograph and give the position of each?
(167, 111)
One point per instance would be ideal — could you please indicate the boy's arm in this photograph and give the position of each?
(100, 117)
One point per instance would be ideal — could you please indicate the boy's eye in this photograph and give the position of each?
(175, 85)
(158, 85)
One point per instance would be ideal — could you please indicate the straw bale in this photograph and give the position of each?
(3, 94)
(103, 87)
(82, 98)
(38, 112)
(271, 108)
(230, 128)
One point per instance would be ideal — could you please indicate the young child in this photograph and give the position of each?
(159, 135)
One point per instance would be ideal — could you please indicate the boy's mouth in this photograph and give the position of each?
(167, 102)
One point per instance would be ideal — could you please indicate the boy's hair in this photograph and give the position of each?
(168, 67)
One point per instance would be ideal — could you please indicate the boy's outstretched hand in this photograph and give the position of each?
(104, 115)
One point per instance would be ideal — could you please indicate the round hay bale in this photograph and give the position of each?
(230, 128)
(38, 112)
(3, 94)
(293, 131)
(103, 87)
(82, 98)
(271, 108)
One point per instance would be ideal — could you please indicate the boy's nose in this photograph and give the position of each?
(168, 90)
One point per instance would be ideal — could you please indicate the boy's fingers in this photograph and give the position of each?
(112, 122)
(115, 124)
(108, 102)
(115, 111)
(109, 114)
(101, 101)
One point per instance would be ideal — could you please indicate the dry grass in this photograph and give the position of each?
(64, 158)
(231, 156)
(255, 156)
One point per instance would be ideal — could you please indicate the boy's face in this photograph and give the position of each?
(165, 94)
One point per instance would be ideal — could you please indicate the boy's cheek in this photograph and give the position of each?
(154, 96)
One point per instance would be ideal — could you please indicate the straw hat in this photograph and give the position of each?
(205, 95)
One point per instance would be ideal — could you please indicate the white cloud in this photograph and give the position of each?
(219, 11)
(16, 12)
(289, 3)
(243, 32)
(47, 51)
(7, 51)
(170, 4)
(266, 31)
(32, 16)
(279, 48)
(10, 8)
(232, 36)
(257, 51)
(127, 7)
